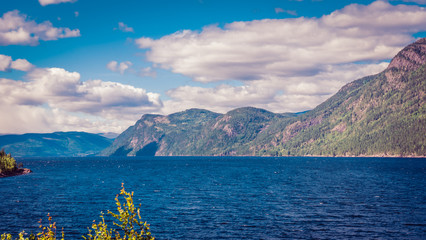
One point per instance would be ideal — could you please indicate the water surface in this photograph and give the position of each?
(226, 197)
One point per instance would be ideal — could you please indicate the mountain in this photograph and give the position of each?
(378, 115)
(193, 132)
(382, 115)
(54, 144)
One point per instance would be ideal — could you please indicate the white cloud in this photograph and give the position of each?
(22, 65)
(76, 14)
(147, 72)
(119, 67)
(47, 2)
(62, 89)
(16, 29)
(59, 100)
(112, 66)
(6, 64)
(124, 28)
(24, 119)
(309, 58)
(291, 94)
(124, 66)
(280, 10)
(287, 47)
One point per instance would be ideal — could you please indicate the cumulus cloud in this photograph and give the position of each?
(48, 2)
(287, 47)
(24, 119)
(119, 67)
(57, 93)
(62, 89)
(22, 65)
(6, 64)
(292, 94)
(16, 29)
(124, 28)
(308, 57)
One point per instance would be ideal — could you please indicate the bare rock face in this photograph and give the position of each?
(411, 57)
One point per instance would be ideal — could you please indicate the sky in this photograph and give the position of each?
(98, 66)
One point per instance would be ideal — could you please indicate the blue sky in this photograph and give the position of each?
(97, 66)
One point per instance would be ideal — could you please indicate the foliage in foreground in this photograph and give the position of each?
(128, 226)
(7, 162)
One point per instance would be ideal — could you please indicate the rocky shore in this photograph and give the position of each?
(19, 171)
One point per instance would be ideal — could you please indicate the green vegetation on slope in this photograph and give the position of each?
(234, 132)
(194, 132)
(375, 118)
(153, 129)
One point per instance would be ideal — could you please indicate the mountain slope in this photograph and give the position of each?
(193, 132)
(233, 132)
(54, 144)
(383, 114)
(145, 136)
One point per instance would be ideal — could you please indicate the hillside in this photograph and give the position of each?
(145, 136)
(379, 115)
(193, 132)
(53, 144)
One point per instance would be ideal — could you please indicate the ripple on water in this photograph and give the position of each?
(227, 198)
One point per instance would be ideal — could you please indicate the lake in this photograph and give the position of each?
(226, 197)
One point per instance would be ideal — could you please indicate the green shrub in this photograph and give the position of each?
(47, 232)
(7, 162)
(129, 225)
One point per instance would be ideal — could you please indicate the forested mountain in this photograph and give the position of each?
(379, 115)
(53, 144)
(384, 114)
(193, 132)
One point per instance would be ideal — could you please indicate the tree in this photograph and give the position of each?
(7, 162)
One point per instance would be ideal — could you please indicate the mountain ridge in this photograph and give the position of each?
(411, 57)
(378, 115)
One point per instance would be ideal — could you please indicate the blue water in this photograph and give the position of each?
(226, 198)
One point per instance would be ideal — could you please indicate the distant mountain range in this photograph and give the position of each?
(54, 144)
(379, 115)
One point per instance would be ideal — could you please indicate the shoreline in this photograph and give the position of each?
(369, 156)
(18, 172)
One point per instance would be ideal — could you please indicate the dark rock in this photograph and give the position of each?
(18, 172)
